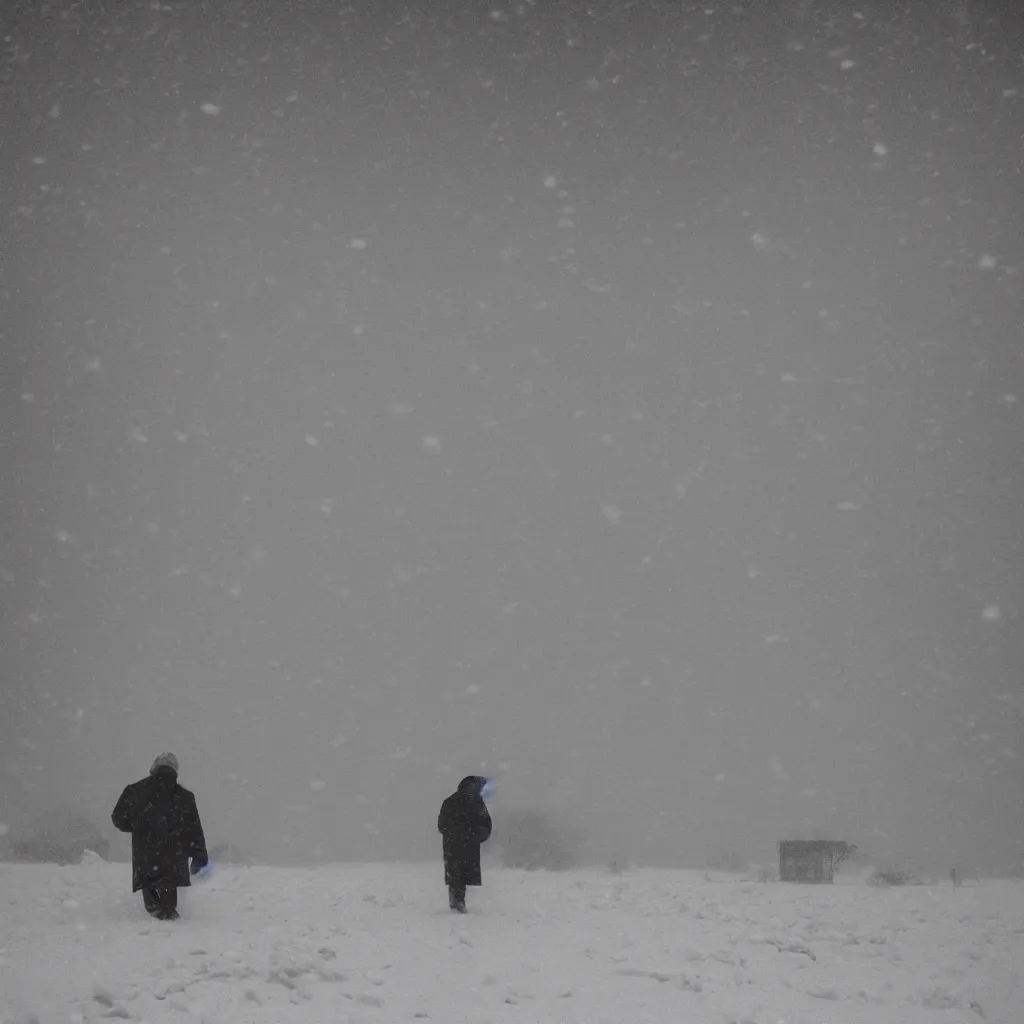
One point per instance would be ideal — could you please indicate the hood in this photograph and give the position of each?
(472, 785)
(166, 761)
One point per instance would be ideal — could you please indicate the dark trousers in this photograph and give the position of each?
(456, 896)
(161, 900)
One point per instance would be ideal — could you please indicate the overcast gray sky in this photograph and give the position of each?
(621, 400)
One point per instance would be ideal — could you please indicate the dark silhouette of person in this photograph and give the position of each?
(164, 823)
(464, 823)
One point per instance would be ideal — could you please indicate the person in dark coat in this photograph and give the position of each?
(164, 822)
(464, 823)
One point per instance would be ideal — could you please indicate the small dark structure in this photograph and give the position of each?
(811, 860)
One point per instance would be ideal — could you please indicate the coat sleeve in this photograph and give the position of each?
(483, 827)
(197, 840)
(124, 812)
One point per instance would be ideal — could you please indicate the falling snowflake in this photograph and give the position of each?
(612, 513)
(312, 441)
(848, 506)
(987, 262)
(993, 613)
(402, 409)
(473, 689)
(137, 435)
(211, 109)
(339, 740)
(64, 537)
(432, 444)
(317, 785)
(881, 149)
(550, 181)
(4, 828)
(358, 243)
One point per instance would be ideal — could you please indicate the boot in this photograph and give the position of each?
(457, 898)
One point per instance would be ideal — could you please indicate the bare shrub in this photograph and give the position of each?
(730, 861)
(535, 840)
(60, 839)
(893, 877)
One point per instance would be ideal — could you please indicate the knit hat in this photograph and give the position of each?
(165, 761)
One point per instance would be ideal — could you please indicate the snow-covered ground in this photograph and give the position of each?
(376, 943)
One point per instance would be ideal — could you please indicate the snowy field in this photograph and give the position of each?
(376, 943)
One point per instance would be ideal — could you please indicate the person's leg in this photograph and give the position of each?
(151, 901)
(457, 898)
(169, 902)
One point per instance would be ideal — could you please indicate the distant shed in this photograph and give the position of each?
(811, 860)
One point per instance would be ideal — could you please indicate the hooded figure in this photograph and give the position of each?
(464, 824)
(164, 822)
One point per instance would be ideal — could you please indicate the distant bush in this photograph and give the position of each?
(892, 878)
(228, 853)
(60, 840)
(618, 865)
(731, 861)
(534, 840)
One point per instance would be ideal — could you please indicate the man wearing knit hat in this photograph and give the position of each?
(164, 823)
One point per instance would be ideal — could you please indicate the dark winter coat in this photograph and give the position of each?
(464, 824)
(164, 822)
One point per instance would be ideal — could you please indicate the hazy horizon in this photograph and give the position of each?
(622, 401)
